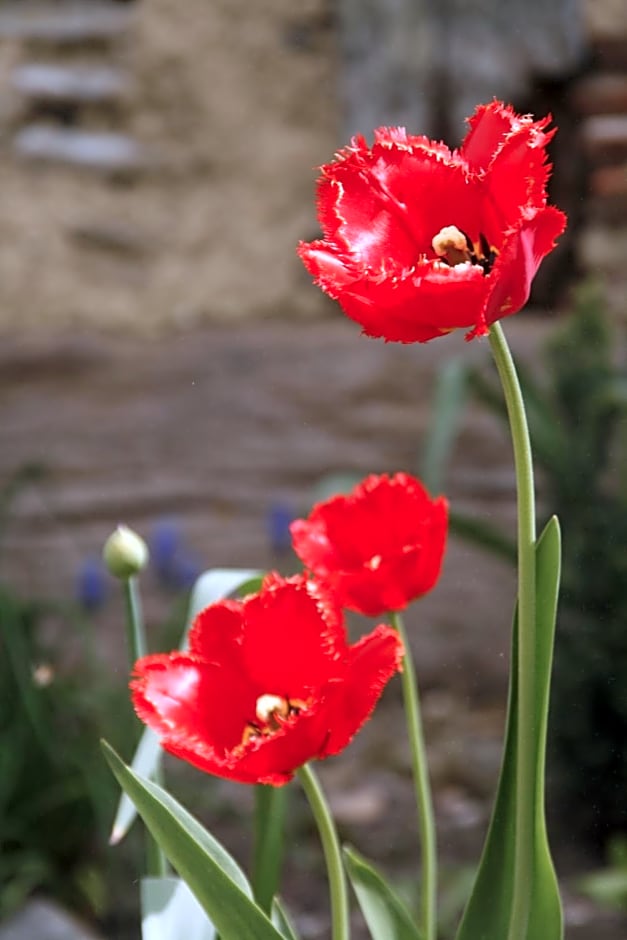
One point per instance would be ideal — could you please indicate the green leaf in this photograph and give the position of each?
(145, 762)
(607, 886)
(448, 405)
(209, 871)
(282, 921)
(217, 583)
(384, 912)
(487, 914)
(166, 904)
(270, 813)
(333, 484)
(210, 587)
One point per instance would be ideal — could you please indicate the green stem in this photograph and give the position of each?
(424, 804)
(135, 635)
(156, 865)
(332, 853)
(270, 809)
(525, 766)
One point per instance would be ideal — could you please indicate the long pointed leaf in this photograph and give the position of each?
(210, 872)
(270, 813)
(217, 583)
(282, 921)
(448, 405)
(210, 587)
(385, 914)
(166, 904)
(488, 911)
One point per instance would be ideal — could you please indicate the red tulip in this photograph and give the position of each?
(378, 548)
(269, 683)
(419, 240)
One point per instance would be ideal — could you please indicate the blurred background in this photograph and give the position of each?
(166, 362)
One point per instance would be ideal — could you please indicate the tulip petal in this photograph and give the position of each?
(381, 208)
(377, 548)
(521, 257)
(374, 660)
(287, 641)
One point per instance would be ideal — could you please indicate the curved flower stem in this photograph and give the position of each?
(156, 865)
(332, 854)
(525, 767)
(135, 635)
(422, 787)
(270, 811)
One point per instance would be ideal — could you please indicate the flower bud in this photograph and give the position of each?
(125, 553)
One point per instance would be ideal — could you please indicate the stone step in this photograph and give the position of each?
(605, 137)
(102, 151)
(608, 195)
(609, 182)
(65, 22)
(604, 93)
(71, 84)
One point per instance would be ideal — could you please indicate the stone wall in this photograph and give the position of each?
(157, 166)
(157, 170)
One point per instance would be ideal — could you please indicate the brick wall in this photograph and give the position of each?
(599, 100)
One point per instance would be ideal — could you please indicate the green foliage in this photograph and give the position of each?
(576, 415)
(489, 910)
(384, 911)
(577, 423)
(585, 487)
(166, 903)
(211, 586)
(55, 793)
(608, 886)
(210, 872)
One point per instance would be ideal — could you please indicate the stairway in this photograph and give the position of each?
(71, 83)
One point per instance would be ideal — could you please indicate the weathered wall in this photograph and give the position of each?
(237, 111)
(427, 65)
(194, 214)
(167, 184)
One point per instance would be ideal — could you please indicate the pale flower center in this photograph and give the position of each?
(270, 712)
(451, 245)
(268, 706)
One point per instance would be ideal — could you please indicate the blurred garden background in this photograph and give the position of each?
(166, 362)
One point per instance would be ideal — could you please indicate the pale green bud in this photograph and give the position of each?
(125, 553)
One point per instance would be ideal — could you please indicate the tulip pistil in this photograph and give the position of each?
(452, 246)
(271, 711)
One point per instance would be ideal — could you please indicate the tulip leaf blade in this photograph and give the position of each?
(166, 903)
(449, 401)
(385, 913)
(215, 584)
(282, 921)
(269, 842)
(211, 586)
(209, 871)
(488, 911)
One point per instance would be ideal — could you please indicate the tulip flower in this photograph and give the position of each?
(419, 240)
(378, 548)
(269, 683)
